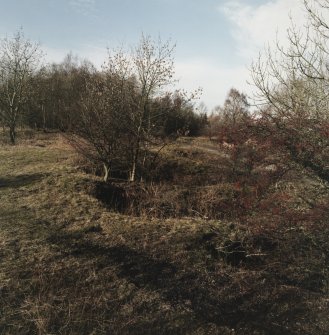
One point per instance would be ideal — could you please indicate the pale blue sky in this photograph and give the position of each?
(216, 39)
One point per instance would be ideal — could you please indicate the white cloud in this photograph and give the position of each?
(54, 54)
(95, 54)
(256, 26)
(215, 79)
(252, 28)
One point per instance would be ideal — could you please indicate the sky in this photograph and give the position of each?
(216, 40)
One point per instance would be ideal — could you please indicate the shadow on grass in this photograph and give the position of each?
(165, 298)
(185, 289)
(21, 180)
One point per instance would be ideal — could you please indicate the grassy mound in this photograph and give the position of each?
(68, 265)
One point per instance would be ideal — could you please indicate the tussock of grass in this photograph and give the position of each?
(69, 266)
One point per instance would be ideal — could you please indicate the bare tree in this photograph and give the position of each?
(151, 67)
(154, 69)
(121, 112)
(102, 129)
(236, 107)
(19, 57)
(231, 120)
(293, 91)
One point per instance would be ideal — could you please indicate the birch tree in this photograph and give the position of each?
(19, 58)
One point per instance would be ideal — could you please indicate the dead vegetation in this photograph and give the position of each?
(69, 265)
(205, 179)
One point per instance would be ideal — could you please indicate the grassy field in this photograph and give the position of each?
(68, 265)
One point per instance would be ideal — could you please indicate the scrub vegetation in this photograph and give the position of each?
(71, 265)
(127, 209)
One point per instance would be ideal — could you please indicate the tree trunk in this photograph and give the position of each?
(134, 164)
(12, 135)
(133, 172)
(106, 172)
(44, 122)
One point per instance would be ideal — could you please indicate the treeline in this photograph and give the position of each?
(122, 115)
(111, 115)
(58, 93)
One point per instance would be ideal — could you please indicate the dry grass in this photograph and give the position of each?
(69, 266)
